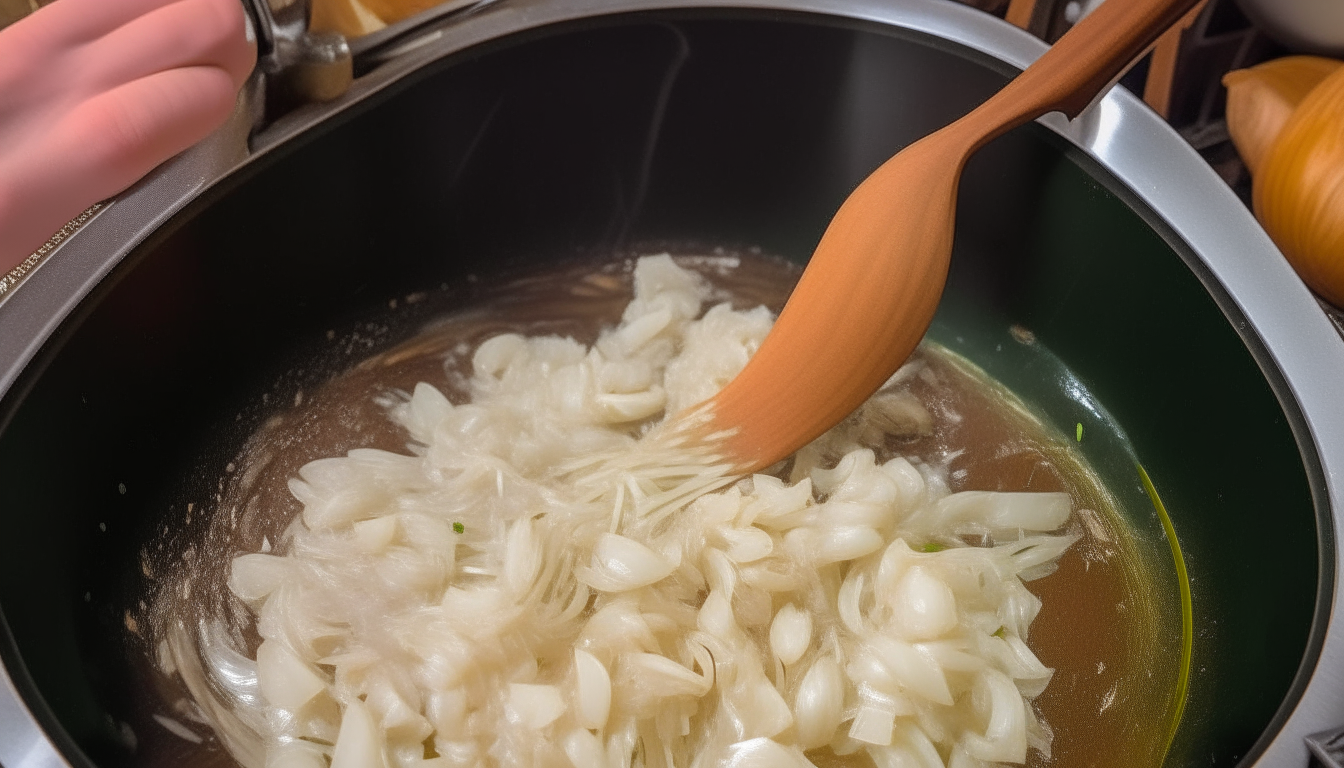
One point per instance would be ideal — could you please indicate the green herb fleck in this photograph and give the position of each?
(1001, 632)
(1078, 433)
(459, 528)
(933, 546)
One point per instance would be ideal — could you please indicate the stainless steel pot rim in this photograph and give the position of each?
(1269, 305)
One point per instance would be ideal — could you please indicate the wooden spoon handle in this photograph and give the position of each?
(1069, 76)
(875, 279)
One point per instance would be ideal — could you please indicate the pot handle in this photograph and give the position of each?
(1328, 747)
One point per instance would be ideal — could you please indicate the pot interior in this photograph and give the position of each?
(617, 135)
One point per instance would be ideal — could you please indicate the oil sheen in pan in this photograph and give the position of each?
(1111, 701)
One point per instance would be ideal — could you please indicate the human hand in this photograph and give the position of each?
(95, 93)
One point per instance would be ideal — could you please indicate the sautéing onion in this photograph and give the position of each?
(548, 580)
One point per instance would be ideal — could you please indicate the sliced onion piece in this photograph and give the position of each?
(621, 564)
(819, 704)
(720, 573)
(522, 557)
(847, 543)
(1039, 555)
(716, 616)
(497, 353)
(955, 655)
(997, 700)
(763, 709)
(914, 668)
(747, 545)
(1013, 657)
(359, 743)
(833, 545)
(662, 676)
(777, 505)
(999, 511)
(848, 603)
(923, 606)
(285, 680)
(534, 706)
(296, 753)
(619, 408)
(910, 748)
(618, 625)
(909, 484)
(959, 759)
(593, 691)
(398, 719)
(791, 633)
(255, 576)
(764, 753)
(872, 725)
(373, 536)
(584, 750)
(641, 331)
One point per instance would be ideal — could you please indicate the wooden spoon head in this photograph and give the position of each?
(860, 309)
(876, 277)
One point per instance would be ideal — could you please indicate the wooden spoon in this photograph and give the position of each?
(871, 288)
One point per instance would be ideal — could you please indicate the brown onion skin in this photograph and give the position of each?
(1260, 100)
(1299, 193)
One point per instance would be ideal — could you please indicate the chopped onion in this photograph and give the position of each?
(495, 355)
(285, 680)
(872, 725)
(996, 511)
(631, 406)
(819, 705)
(254, 576)
(593, 695)
(534, 706)
(764, 753)
(791, 633)
(1005, 736)
(621, 564)
(296, 754)
(924, 606)
(833, 545)
(584, 749)
(663, 676)
(913, 667)
(548, 578)
(747, 545)
(359, 744)
(373, 536)
(910, 748)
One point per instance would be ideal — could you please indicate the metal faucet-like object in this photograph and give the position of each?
(299, 65)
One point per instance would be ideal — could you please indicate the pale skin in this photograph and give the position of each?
(95, 93)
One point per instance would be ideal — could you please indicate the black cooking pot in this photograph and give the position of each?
(138, 359)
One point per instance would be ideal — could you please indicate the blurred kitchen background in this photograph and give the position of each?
(1180, 79)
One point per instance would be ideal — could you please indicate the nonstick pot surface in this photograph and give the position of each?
(734, 129)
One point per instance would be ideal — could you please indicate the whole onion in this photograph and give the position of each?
(1287, 119)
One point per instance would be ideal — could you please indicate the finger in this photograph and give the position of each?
(72, 22)
(42, 78)
(107, 144)
(186, 33)
(128, 131)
